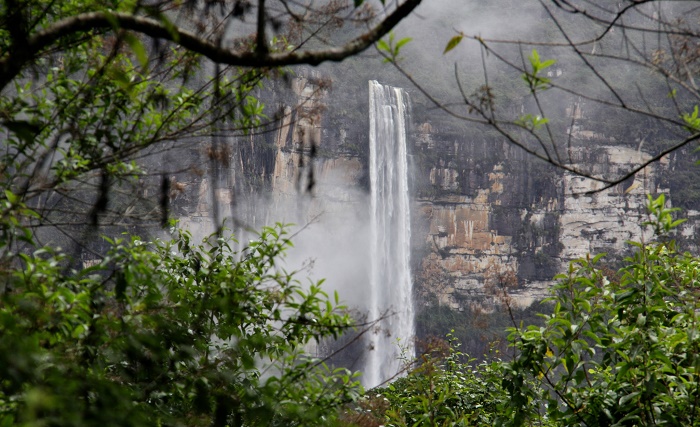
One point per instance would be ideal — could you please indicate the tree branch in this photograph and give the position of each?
(13, 62)
(261, 40)
(654, 159)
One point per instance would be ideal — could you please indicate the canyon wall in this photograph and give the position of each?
(511, 222)
(486, 217)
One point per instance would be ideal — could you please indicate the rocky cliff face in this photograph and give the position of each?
(491, 219)
(519, 223)
(487, 217)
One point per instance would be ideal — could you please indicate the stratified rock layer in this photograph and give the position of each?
(487, 218)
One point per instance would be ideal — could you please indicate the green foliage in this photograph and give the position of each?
(94, 101)
(443, 390)
(531, 122)
(454, 41)
(391, 48)
(662, 220)
(167, 333)
(618, 349)
(692, 121)
(155, 333)
(534, 79)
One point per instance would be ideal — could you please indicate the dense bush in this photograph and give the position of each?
(443, 389)
(620, 349)
(167, 333)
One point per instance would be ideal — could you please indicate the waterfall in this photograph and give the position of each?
(391, 285)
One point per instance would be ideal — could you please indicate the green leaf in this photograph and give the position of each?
(625, 399)
(598, 257)
(11, 197)
(401, 43)
(7, 421)
(138, 49)
(692, 120)
(548, 63)
(454, 41)
(678, 222)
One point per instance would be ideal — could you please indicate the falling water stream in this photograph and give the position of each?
(391, 285)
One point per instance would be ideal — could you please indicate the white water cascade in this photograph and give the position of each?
(391, 285)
